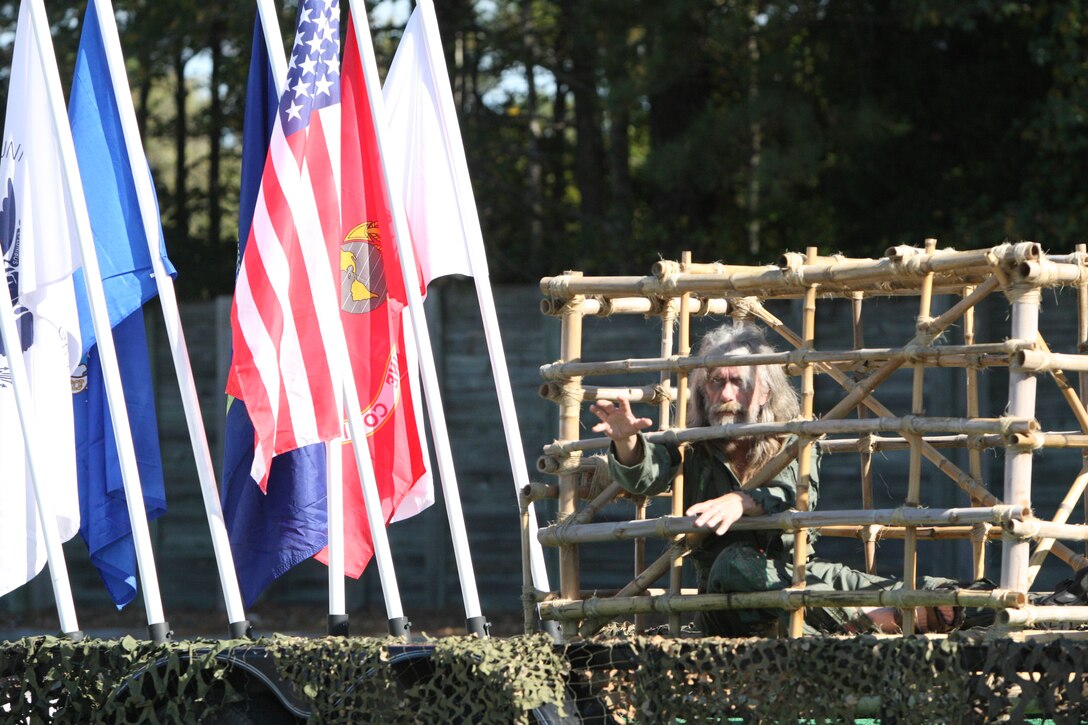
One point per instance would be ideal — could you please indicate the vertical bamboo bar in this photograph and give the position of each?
(914, 483)
(1082, 347)
(570, 409)
(676, 570)
(865, 455)
(1025, 326)
(664, 413)
(804, 463)
(527, 587)
(974, 455)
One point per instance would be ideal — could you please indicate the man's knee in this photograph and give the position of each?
(742, 568)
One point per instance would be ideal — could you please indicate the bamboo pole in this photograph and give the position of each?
(804, 463)
(1017, 489)
(1036, 528)
(1029, 616)
(569, 423)
(660, 394)
(929, 533)
(935, 355)
(907, 425)
(676, 570)
(914, 482)
(865, 447)
(974, 455)
(1082, 347)
(664, 411)
(1037, 361)
(878, 443)
(602, 608)
(563, 534)
(904, 266)
(646, 306)
(528, 602)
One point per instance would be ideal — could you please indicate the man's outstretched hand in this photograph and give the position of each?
(621, 425)
(722, 512)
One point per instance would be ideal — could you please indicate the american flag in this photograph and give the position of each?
(285, 317)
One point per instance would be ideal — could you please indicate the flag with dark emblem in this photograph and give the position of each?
(373, 306)
(37, 234)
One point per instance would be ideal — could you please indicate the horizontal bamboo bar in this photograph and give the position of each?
(668, 526)
(1045, 273)
(943, 260)
(766, 283)
(1031, 615)
(879, 443)
(931, 354)
(1079, 258)
(542, 596)
(931, 533)
(648, 306)
(598, 608)
(650, 394)
(537, 491)
(906, 424)
(1032, 528)
(1034, 361)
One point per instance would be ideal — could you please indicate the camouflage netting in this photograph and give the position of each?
(46, 679)
(898, 679)
(462, 679)
(961, 679)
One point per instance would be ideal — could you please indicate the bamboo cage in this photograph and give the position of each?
(857, 423)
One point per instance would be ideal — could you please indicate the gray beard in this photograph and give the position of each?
(725, 414)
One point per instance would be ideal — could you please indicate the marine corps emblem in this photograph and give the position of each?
(362, 270)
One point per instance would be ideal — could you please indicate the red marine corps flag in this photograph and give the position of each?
(372, 304)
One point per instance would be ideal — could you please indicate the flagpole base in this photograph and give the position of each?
(76, 636)
(400, 627)
(478, 626)
(159, 633)
(338, 625)
(240, 630)
(551, 628)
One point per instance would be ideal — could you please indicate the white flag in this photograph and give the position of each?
(36, 237)
(426, 146)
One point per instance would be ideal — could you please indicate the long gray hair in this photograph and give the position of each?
(782, 404)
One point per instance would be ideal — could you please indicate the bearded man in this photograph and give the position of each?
(714, 473)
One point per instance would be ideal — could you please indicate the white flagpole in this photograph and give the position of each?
(58, 569)
(334, 464)
(213, 509)
(476, 622)
(470, 221)
(158, 629)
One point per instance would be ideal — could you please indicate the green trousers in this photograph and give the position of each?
(742, 568)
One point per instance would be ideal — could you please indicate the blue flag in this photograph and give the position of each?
(269, 532)
(117, 224)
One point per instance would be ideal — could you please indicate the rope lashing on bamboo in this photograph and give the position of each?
(563, 533)
(596, 608)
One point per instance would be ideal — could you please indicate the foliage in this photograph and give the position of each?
(734, 128)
